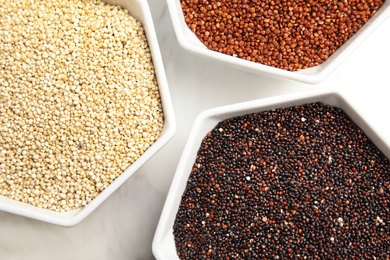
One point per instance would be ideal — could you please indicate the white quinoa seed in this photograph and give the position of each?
(79, 100)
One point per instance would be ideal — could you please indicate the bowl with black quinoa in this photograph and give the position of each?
(299, 40)
(298, 176)
(84, 103)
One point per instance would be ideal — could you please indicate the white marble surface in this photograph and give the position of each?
(124, 225)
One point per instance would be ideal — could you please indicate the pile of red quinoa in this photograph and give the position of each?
(303, 182)
(290, 35)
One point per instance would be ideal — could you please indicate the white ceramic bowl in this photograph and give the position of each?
(139, 9)
(189, 41)
(163, 242)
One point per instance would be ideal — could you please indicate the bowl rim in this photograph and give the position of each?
(162, 241)
(73, 217)
(313, 75)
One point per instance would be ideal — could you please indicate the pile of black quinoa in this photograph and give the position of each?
(303, 182)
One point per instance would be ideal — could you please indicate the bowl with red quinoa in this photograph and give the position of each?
(299, 40)
(84, 104)
(297, 176)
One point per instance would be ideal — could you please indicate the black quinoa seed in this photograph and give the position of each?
(303, 182)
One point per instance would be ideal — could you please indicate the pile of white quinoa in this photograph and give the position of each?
(79, 100)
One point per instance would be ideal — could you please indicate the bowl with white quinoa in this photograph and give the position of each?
(299, 40)
(295, 176)
(84, 102)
